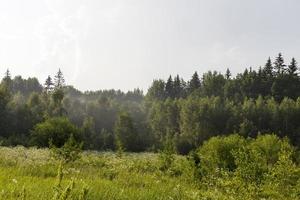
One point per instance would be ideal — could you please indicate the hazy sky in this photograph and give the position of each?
(124, 44)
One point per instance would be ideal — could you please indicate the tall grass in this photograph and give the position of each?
(33, 174)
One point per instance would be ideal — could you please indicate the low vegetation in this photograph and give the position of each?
(222, 168)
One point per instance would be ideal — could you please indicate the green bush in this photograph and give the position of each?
(57, 130)
(268, 146)
(69, 152)
(218, 153)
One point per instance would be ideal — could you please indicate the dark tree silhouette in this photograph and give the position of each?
(194, 83)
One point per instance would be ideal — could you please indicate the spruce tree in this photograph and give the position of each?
(48, 86)
(268, 69)
(228, 74)
(7, 74)
(59, 80)
(177, 87)
(170, 87)
(7, 81)
(194, 83)
(292, 68)
(279, 64)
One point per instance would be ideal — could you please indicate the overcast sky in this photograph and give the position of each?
(125, 44)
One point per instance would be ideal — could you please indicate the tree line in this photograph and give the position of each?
(177, 112)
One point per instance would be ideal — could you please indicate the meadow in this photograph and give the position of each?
(229, 168)
(34, 174)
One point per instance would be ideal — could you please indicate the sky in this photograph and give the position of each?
(125, 44)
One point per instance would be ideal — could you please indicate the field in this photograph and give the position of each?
(32, 174)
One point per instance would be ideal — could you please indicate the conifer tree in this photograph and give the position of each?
(7, 74)
(59, 80)
(268, 69)
(279, 64)
(177, 87)
(48, 84)
(292, 68)
(7, 81)
(194, 83)
(170, 87)
(228, 74)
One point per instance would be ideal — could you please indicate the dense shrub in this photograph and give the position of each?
(238, 168)
(218, 153)
(57, 130)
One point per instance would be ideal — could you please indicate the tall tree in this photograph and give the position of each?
(292, 68)
(227, 74)
(170, 87)
(126, 133)
(268, 69)
(57, 97)
(178, 87)
(194, 83)
(7, 81)
(279, 64)
(59, 80)
(48, 84)
(157, 90)
(5, 97)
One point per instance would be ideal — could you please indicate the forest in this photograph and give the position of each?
(215, 136)
(183, 113)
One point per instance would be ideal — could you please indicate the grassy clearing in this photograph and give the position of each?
(33, 174)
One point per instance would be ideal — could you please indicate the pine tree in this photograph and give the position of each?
(170, 87)
(7, 81)
(58, 94)
(292, 68)
(194, 83)
(48, 84)
(279, 64)
(177, 87)
(268, 69)
(7, 74)
(228, 74)
(59, 80)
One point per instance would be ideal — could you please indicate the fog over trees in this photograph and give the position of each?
(186, 112)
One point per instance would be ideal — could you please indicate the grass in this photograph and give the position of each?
(32, 174)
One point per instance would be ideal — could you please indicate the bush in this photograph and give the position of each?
(282, 181)
(268, 146)
(218, 153)
(254, 160)
(57, 130)
(69, 152)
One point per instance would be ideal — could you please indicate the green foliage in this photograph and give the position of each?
(84, 193)
(69, 152)
(283, 179)
(91, 139)
(103, 175)
(218, 153)
(57, 130)
(61, 193)
(262, 168)
(166, 156)
(256, 101)
(125, 133)
(119, 146)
